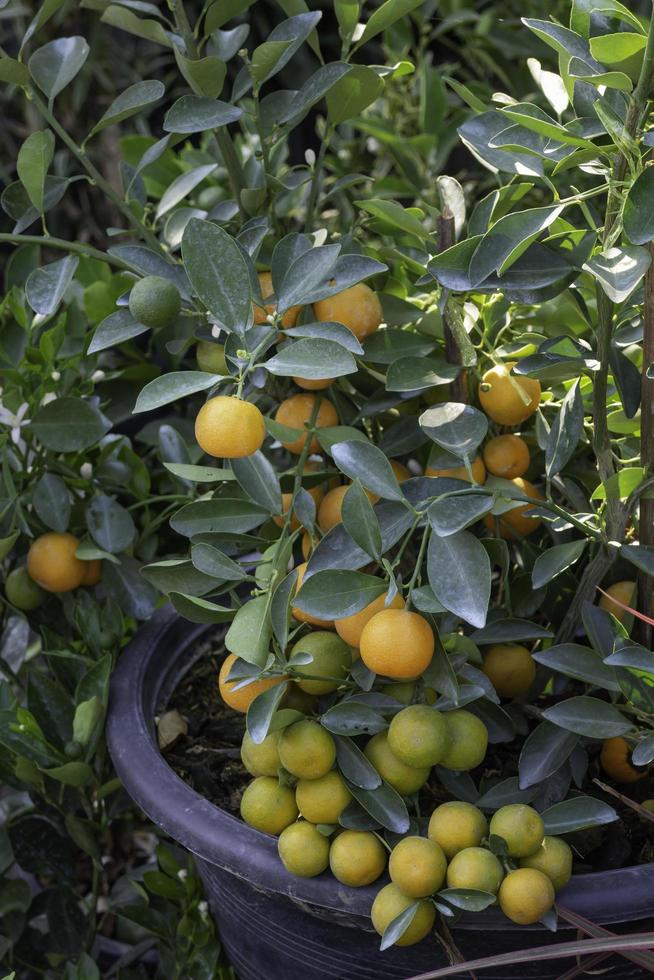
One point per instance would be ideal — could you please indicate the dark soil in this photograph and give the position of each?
(208, 759)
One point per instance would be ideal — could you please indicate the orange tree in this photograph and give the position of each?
(392, 557)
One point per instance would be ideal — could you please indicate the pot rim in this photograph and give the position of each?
(143, 677)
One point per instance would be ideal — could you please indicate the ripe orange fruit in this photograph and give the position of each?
(391, 902)
(517, 522)
(624, 592)
(400, 470)
(460, 472)
(397, 643)
(357, 858)
(330, 510)
(507, 456)
(229, 428)
(351, 627)
(296, 411)
(417, 866)
(52, 564)
(307, 750)
(310, 385)
(526, 895)
(358, 308)
(241, 698)
(510, 668)
(500, 399)
(315, 492)
(304, 617)
(92, 572)
(306, 546)
(289, 318)
(615, 760)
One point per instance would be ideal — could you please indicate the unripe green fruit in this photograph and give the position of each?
(211, 357)
(154, 301)
(22, 591)
(73, 750)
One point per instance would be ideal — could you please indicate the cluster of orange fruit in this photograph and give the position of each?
(52, 566)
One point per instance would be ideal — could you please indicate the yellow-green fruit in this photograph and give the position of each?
(526, 895)
(307, 750)
(154, 301)
(261, 759)
(404, 779)
(22, 591)
(268, 806)
(649, 805)
(521, 827)
(303, 849)
(357, 858)
(457, 825)
(467, 741)
(418, 735)
(211, 357)
(391, 902)
(417, 866)
(403, 691)
(322, 800)
(475, 867)
(554, 859)
(332, 658)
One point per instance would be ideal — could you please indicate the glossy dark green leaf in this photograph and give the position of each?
(588, 716)
(619, 270)
(354, 764)
(360, 520)
(505, 793)
(326, 330)
(353, 93)
(199, 610)
(181, 186)
(124, 19)
(338, 550)
(457, 428)
(127, 586)
(638, 215)
(507, 239)
(353, 718)
(55, 64)
(45, 287)
(250, 632)
(578, 813)
(460, 574)
(69, 424)
(581, 663)
(280, 608)
(339, 593)
(218, 515)
(197, 114)
(256, 475)
(109, 524)
(566, 431)
(32, 163)
(115, 329)
(385, 805)
(218, 273)
(262, 710)
(451, 514)
(555, 560)
(363, 461)
(51, 501)
(468, 899)
(128, 103)
(544, 751)
(315, 88)
(398, 926)
(170, 387)
(314, 359)
(416, 373)
(643, 753)
(206, 76)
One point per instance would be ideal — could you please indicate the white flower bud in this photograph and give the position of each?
(48, 397)
(98, 376)
(56, 376)
(86, 471)
(310, 157)
(182, 874)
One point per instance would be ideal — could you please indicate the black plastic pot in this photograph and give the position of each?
(277, 927)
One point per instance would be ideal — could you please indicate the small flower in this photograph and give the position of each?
(48, 397)
(86, 471)
(216, 331)
(182, 874)
(310, 157)
(55, 375)
(358, 31)
(98, 376)
(203, 908)
(15, 420)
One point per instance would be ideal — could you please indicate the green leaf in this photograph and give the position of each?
(468, 899)
(581, 663)
(128, 103)
(418, 373)
(385, 805)
(223, 10)
(69, 424)
(198, 610)
(213, 562)
(508, 239)
(451, 514)
(611, 49)
(14, 72)
(354, 765)
(638, 214)
(555, 560)
(109, 524)
(589, 717)
(182, 186)
(642, 556)
(509, 631)
(72, 774)
(7, 543)
(384, 16)
(621, 485)
(170, 387)
(504, 794)
(327, 330)
(87, 719)
(395, 215)
(360, 521)
(265, 58)
(197, 114)
(353, 93)
(262, 710)
(578, 813)
(115, 329)
(566, 431)
(582, 10)
(218, 273)
(533, 118)
(313, 359)
(336, 594)
(353, 718)
(206, 76)
(199, 474)
(34, 158)
(250, 632)
(45, 287)
(314, 89)
(544, 751)
(256, 475)
(126, 20)
(398, 926)
(51, 501)
(619, 270)
(457, 428)
(369, 464)
(55, 64)
(218, 515)
(459, 573)
(643, 754)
